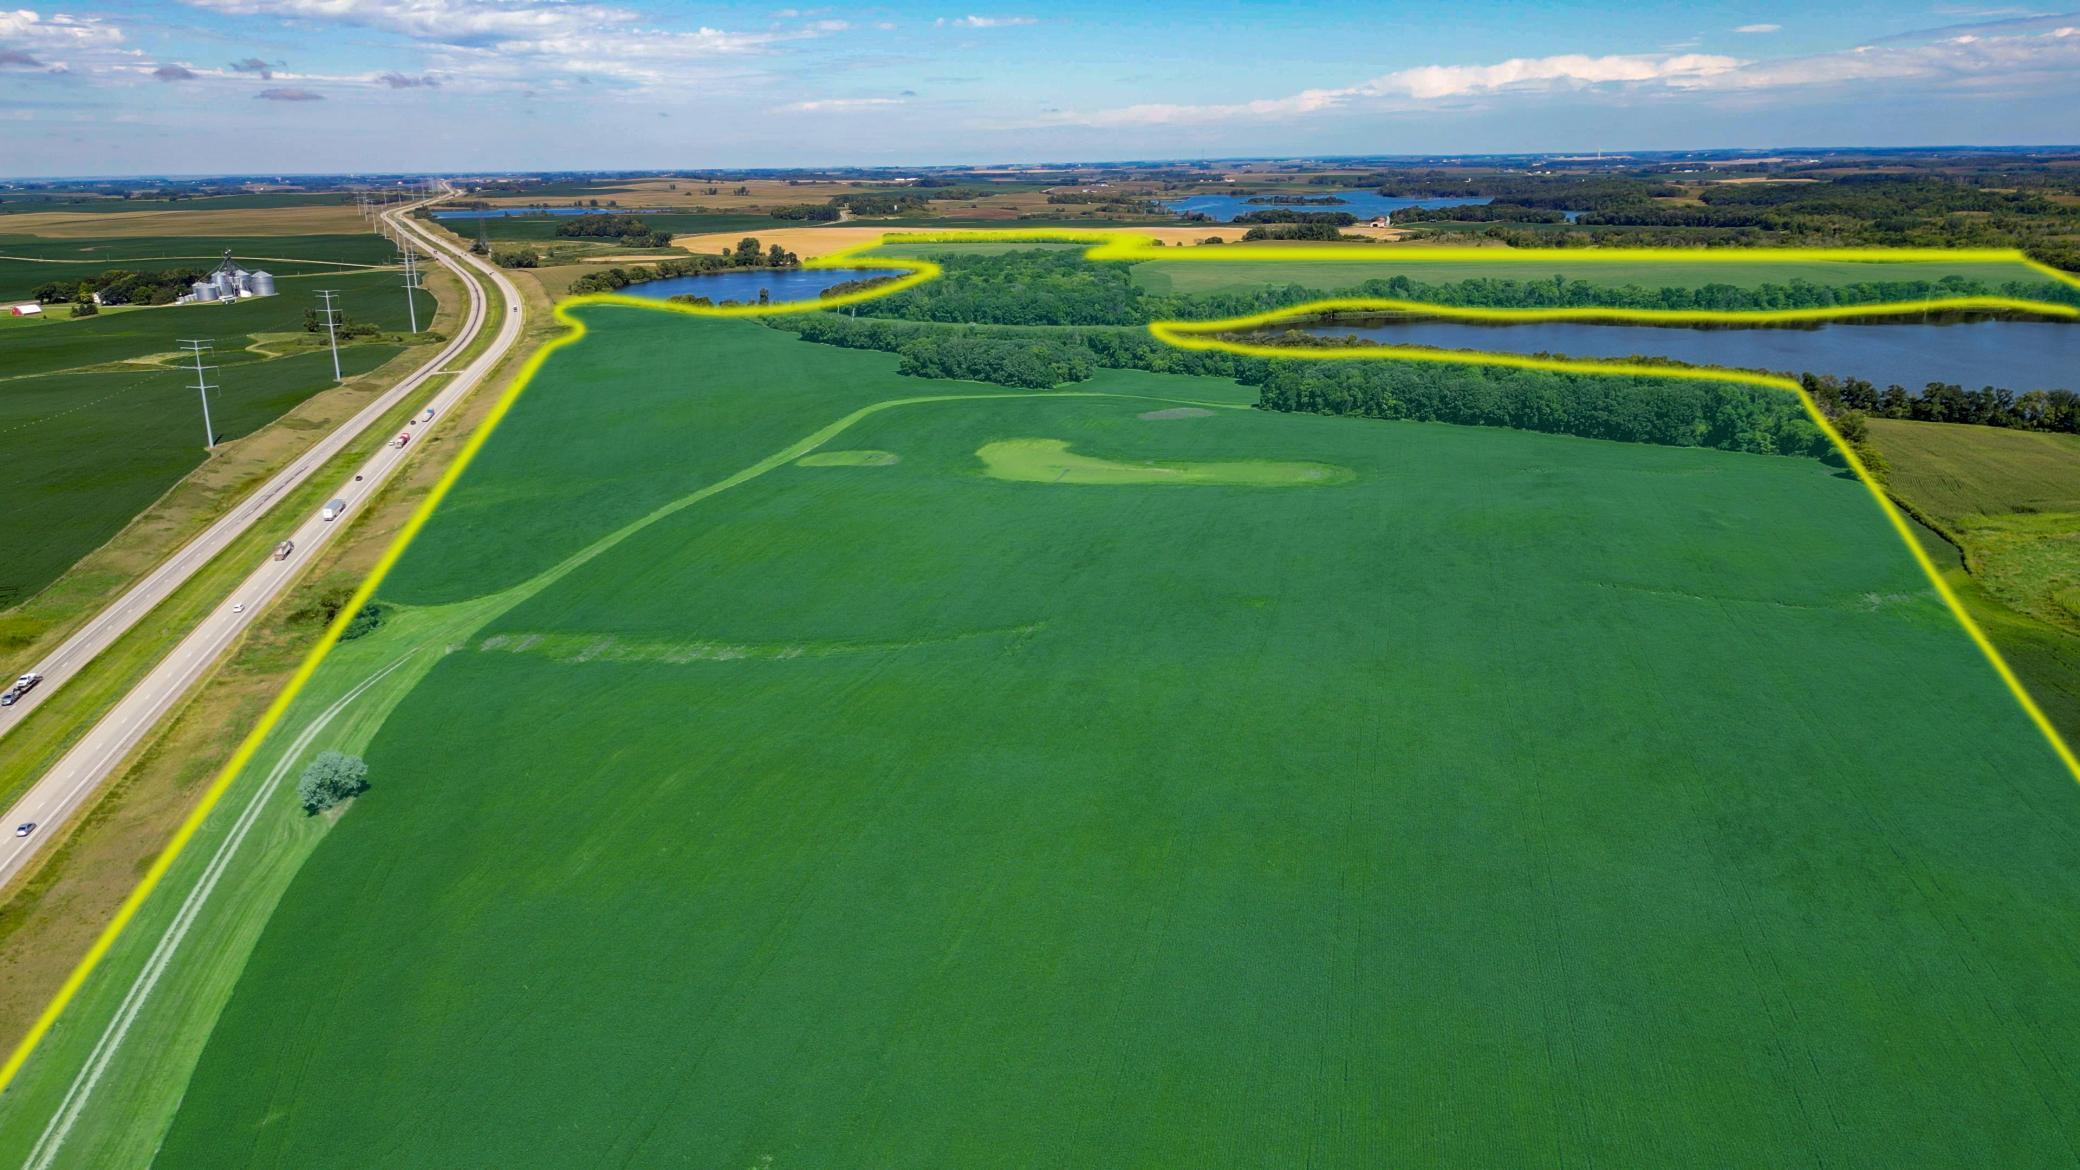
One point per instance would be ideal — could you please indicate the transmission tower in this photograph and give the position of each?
(332, 328)
(202, 388)
(411, 284)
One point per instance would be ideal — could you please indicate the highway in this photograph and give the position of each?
(70, 784)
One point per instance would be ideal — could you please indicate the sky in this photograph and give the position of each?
(118, 87)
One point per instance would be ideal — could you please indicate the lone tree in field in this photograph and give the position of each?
(329, 779)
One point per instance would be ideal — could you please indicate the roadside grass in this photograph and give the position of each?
(2011, 501)
(901, 815)
(53, 916)
(98, 420)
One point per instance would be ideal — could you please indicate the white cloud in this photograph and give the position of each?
(24, 28)
(519, 40)
(1759, 28)
(1434, 82)
(838, 105)
(2008, 52)
(2012, 51)
(984, 21)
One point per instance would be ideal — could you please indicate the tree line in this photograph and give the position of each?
(1947, 402)
(1630, 409)
(121, 286)
(632, 231)
(1058, 287)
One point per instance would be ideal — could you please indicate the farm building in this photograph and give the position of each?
(1379, 221)
(229, 282)
(26, 311)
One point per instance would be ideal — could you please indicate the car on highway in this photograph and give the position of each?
(25, 828)
(22, 686)
(282, 550)
(426, 415)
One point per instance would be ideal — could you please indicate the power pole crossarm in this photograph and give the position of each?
(332, 328)
(202, 388)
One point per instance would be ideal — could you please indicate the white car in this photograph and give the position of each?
(238, 607)
(25, 828)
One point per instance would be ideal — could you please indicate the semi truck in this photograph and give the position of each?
(402, 438)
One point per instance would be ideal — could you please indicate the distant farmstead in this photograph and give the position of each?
(27, 311)
(229, 282)
(1380, 221)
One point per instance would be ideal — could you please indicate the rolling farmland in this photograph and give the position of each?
(1259, 789)
(100, 419)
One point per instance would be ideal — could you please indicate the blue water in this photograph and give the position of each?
(2016, 355)
(742, 284)
(503, 212)
(1363, 204)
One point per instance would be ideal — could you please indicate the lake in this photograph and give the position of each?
(2016, 355)
(1363, 204)
(742, 284)
(503, 212)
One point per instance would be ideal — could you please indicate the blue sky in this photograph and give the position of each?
(213, 86)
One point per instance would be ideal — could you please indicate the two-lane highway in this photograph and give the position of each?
(71, 783)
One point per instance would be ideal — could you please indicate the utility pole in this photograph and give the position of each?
(202, 388)
(411, 283)
(332, 328)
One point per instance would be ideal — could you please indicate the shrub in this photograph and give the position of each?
(330, 779)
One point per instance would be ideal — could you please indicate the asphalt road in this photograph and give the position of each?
(70, 785)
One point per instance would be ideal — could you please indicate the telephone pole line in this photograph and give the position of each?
(202, 388)
(332, 328)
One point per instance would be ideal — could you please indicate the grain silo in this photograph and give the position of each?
(260, 283)
(205, 290)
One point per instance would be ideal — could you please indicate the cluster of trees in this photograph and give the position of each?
(1633, 410)
(516, 257)
(1797, 293)
(632, 231)
(348, 328)
(1029, 287)
(120, 286)
(1481, 213)
(1063, 351)
(1033, 363)
(330, 779)
(812, 212)
(1946, 402)
(1296, 231)
(1332, 218)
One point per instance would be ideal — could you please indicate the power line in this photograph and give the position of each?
(411, 282)
(332, 328)
(202, 388)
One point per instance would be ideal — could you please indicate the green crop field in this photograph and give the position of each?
(1224, 276)
(97, 419)
(1261, 790)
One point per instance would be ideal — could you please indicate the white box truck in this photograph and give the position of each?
(332, 510)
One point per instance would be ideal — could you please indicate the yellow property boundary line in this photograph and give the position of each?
(1185, 335)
